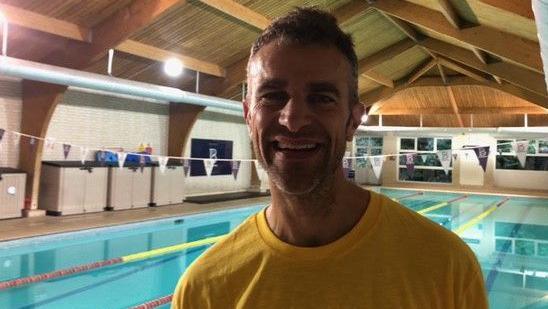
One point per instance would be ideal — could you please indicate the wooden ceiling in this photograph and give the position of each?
(442, 59)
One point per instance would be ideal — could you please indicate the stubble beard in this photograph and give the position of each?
(299, 184)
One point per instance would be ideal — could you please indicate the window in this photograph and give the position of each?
(427, 164)
(536, 159)
(366, 146)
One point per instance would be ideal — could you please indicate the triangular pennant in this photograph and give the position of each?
(66, 150)
(50, 143)
(235, 168)
(445, 159)
(258, 168)
(424, 157)
(376, 165)
(410, 163)
(521, 151)
(209, 164)
(2, 131)
(454, 156)
(162, 161)
(483, 155)
(32, 142)
(121, 159)
(186, 166)
(15, 137)
(83, 154)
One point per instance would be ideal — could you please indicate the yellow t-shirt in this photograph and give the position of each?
(393, 258)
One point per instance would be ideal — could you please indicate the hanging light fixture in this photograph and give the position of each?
(173, 67)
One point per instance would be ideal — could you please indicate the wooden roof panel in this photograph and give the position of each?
(403, 64)
(199, 31)
(81, 12)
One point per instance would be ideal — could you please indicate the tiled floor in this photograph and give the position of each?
(28, 227)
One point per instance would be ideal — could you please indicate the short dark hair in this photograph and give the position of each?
(311, 26)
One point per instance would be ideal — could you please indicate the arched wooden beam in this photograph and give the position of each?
(39, 102)
(383, 93)
(181, 120)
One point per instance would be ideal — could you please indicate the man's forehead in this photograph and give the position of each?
(278, 58)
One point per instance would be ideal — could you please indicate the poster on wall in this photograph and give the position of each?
(213, 150)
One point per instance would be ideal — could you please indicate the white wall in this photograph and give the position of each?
(95, 120)
(10, 119)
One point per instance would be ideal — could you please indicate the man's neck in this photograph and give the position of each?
(318, 218)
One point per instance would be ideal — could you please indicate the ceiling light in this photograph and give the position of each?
(173, 67)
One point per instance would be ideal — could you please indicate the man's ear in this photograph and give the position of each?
(245, 104)
(355, 120)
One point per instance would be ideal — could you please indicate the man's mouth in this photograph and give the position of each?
(284, 146)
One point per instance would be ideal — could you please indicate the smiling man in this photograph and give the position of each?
(323, 242)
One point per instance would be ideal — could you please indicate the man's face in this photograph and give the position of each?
(298, 113)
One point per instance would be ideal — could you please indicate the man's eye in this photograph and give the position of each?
(274, 98)
(321, 99)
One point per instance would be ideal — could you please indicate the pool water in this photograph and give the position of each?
(511, 243)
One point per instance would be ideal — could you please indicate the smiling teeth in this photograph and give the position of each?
(298, 147)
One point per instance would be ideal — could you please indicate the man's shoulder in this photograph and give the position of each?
(418, 228)
(219, 259)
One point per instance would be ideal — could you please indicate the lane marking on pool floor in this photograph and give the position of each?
(119, 260)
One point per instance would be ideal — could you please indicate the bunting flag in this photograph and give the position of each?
(454, 156)
(424, 157)
(15, 137)
(121, 159)
(83, 154)
(162, 161)
(2, 131)
(50, 143)
(32, 142)
(376, 165)
(521, 151)
(410, 164)
(445, 159)
(483, 155)
(66, 150)
(209, 164)
(186, 166)
(235, 168)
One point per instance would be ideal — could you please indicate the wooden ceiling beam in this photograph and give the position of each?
(520, 110)
(521, 7)
(379, 78)
(459, 68)
(158, 54)
(369, 63)
(454, 106)
(449, 12)
(31, 20)
(239, 12)
(350, 11)
(404, 27)
(420, 72)
(512, 73)
(502, 44)
(442, 73)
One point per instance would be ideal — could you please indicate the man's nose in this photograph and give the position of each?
(295, 115)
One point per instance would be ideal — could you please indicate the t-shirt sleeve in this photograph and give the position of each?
(184, 297)
(474, 295)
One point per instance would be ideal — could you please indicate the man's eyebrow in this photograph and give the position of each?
(272, 84)
(324, 87)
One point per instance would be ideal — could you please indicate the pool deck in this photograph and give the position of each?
(35, 226)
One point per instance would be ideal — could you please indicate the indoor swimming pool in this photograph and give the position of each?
(508, 234)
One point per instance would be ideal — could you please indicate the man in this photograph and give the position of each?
(323, 242)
